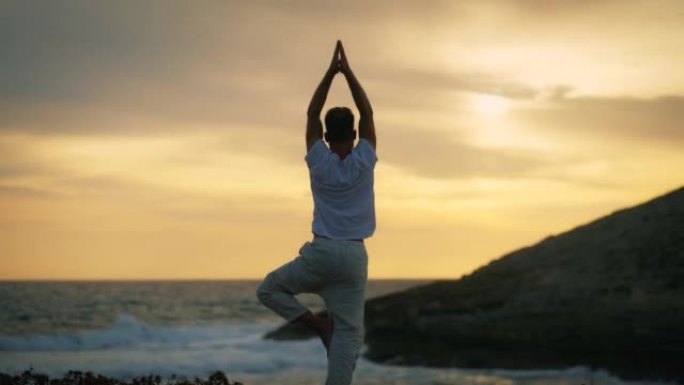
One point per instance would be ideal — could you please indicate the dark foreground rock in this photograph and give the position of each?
(607, 294)
(88, 378)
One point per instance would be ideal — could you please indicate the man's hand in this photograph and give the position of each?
(366, 123)
(314, 126)
(343, 64)
(335, 62)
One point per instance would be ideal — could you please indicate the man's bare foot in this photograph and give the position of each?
(322, 326)
(327, 334)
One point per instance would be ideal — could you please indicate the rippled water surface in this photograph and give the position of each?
(126, 329)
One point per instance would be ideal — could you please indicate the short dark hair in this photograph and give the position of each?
(339, 124)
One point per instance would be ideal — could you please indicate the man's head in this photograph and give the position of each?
(339, 125)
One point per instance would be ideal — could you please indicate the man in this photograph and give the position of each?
(333, 265)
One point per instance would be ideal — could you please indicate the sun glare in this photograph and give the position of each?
(490, 106)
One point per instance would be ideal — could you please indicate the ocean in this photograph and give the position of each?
(193, 328)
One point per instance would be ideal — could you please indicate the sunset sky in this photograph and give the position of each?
(165, 139)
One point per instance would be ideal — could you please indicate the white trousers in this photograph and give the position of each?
(337, 271)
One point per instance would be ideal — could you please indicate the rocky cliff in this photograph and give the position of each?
(608, 294)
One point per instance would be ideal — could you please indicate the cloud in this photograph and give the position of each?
(622, 119)
(126, 67)
(65, 51)
(26, 192)
(80, 51)
(442, 80)
(437, 155)
(246, 71)
(171, 59)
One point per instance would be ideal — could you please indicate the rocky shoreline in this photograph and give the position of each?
(29, 377)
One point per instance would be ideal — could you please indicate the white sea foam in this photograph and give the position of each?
(131, 348)
(128, 332)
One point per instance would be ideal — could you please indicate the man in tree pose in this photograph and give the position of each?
(334, 264)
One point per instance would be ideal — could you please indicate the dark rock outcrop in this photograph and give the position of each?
(608, 294)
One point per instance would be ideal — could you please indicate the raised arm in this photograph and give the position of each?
(366, 123)
(314, 126)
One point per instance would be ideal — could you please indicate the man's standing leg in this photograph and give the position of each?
(345, 302)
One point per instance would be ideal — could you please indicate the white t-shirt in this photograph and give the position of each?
(344, 202)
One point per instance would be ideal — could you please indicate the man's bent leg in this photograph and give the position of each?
(278, 289)
(275, 296)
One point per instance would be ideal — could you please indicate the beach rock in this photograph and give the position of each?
(607, 294)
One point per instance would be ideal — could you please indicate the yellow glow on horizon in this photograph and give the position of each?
(179, 164)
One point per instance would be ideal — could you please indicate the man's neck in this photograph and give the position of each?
(342, 149)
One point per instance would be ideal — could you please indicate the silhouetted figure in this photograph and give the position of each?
(334, 264)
